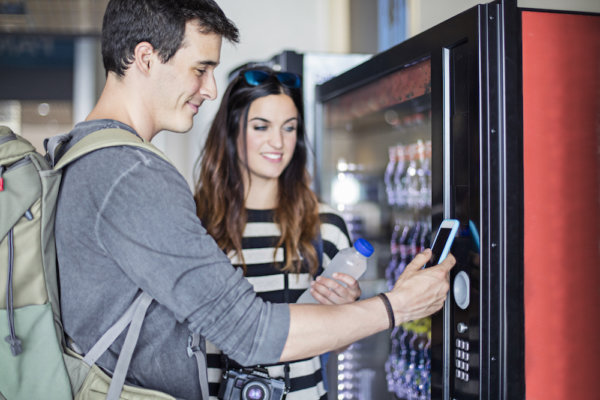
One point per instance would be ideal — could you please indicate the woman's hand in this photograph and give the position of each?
(330, 291)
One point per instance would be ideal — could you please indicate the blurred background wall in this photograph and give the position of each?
(51, 70)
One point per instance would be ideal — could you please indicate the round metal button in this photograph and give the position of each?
(461, 289)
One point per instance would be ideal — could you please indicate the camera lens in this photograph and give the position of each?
(255, 391)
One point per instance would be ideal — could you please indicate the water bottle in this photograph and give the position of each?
(351, 261)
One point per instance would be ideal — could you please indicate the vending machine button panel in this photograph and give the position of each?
(461, 361)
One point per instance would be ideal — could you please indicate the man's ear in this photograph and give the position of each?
(144, 56)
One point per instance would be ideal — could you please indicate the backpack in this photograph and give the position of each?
(35, 361)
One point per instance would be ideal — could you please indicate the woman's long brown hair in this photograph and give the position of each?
(219, 191)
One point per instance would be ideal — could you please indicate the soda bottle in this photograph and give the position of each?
(351, 261)
(390, 271)
(398, 180)
(411, 179)
(389, 175)
(426, 176)
(414, 240)
(425, 239)
(403, 249)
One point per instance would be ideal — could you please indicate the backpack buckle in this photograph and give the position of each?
(192, 348)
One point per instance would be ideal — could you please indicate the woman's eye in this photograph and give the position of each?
(259, 127)
(290, 128)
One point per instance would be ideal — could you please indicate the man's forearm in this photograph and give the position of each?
(316, 329)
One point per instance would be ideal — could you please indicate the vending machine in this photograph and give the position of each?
(490, 118)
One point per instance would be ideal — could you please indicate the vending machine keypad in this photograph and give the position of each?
(462, 359)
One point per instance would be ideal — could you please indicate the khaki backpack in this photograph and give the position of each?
(35, 361)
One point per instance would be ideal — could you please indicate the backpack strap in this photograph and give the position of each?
(14, 341)
(194, 350)
(120, 373)
(134, 317)
(52, 144)
(98, 140)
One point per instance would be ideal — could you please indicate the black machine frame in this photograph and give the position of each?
(476, 95)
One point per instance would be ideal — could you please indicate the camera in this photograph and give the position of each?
(251, 384)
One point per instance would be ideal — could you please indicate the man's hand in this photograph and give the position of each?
(330, 291)
(418, 292)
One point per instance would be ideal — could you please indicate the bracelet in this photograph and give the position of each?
(388, 308)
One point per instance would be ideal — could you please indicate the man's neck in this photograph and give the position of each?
(120, 102)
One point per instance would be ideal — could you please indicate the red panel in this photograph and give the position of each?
(561, 99)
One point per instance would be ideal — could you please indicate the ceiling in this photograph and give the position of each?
(69, 17)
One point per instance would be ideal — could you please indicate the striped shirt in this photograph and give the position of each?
(258, 246)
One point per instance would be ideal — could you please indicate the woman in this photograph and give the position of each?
(253, 197)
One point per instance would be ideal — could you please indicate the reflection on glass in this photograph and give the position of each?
(376, 169)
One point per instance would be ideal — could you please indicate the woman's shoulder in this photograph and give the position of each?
(333, 226)
(329, 215)
(325, 208)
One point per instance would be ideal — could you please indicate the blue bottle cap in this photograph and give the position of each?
(363, 247)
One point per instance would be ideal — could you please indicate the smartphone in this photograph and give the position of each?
(443, 241)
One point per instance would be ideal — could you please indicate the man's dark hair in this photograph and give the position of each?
(158, 22)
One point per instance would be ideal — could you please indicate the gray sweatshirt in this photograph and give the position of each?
(126, 221)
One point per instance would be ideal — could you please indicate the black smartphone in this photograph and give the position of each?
(443, 241)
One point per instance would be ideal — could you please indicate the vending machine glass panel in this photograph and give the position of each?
(376, 170)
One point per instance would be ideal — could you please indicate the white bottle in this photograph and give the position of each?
(351, 261)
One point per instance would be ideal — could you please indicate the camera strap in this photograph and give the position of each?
(286, 295)
(318, 244)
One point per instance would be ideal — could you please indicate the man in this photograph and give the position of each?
(126, 221)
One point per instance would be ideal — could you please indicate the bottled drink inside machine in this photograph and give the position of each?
(351, 261)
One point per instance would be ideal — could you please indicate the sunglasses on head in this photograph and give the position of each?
(255, 77)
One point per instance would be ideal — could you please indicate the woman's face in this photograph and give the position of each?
(270, 137)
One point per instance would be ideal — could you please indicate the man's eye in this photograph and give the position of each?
(200, 72)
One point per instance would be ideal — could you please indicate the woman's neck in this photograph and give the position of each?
(261, 195)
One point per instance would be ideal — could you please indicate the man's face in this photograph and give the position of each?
(185, 81)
